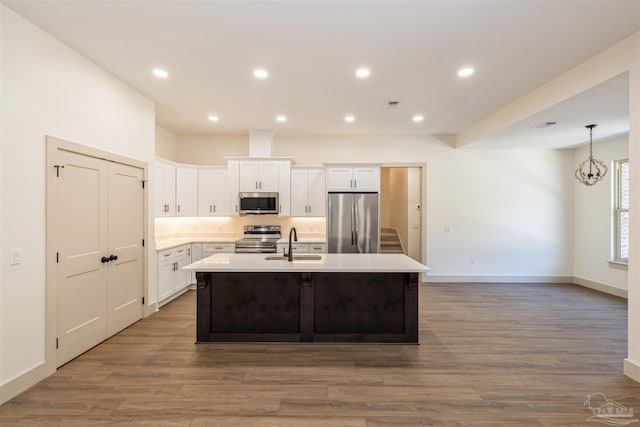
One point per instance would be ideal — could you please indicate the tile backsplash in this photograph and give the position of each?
(171, 228)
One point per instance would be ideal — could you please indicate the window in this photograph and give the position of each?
(621, 211)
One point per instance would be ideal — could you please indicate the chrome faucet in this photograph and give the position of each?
(295, 239)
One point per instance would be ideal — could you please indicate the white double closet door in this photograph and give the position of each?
(100, 227)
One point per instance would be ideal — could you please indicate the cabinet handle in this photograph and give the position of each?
(236, 208)
(210, 208)
(355, 183)
(178, 208)
(256, 185)
(188, 251)
(261, 185)
(214, 208)
(113, 257)
(104, 259)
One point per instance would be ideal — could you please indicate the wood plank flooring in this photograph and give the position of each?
(490, 355)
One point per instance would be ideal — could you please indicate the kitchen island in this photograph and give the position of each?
(360, 298)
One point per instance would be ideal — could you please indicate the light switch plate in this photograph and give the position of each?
(15, 256)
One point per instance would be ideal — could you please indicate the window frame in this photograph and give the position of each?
(617, 212)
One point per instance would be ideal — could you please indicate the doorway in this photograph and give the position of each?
(401, 210)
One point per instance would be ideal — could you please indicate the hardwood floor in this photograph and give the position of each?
(490, 355)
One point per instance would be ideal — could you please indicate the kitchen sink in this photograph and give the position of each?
(295, 258)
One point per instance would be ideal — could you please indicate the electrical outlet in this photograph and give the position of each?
(447, 229)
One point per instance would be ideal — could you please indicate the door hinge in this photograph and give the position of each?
(57, 257)
(143, 181)
(142, 300)
(142, 242)
(57, 343)
(58, 167)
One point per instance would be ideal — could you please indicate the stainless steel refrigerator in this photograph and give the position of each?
(353, 223)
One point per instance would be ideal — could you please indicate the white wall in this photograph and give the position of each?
(509, 210)
(165, 145)
(49, 89)
(414, 214)
(592, 217)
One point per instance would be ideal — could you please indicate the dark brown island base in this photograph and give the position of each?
(345, 298)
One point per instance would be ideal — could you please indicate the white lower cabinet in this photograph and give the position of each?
(171, 279)
(303, 248)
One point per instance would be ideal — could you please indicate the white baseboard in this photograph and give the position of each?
(432, 278)
(632, 370)
(607, 289)
(22, 382)
(602, 287)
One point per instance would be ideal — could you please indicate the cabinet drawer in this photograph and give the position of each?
(317, 248)
(213, 248)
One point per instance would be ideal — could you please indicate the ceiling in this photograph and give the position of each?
(312, 49)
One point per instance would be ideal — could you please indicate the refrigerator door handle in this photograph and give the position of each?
(353, 223)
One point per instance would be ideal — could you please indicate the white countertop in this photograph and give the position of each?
(172, 243)
(372, 263)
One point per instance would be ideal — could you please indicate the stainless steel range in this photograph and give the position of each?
(259, 239)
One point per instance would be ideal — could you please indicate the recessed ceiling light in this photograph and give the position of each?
(418, 118)
(281, 119)
(213, 118)
(349, 119)
(465, 72)
(362, 73)
(260, 73)
(159, 72)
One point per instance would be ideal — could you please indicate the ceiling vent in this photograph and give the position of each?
(390, 105)
(544, 125)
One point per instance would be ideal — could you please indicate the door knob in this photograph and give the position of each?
(104, 259)
(113, 258)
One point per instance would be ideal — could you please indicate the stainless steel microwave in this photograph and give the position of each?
(258, 203)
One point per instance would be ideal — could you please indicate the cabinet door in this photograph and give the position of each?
(181, 277)
(299, 192)
(249, 176)
(166, 274)
(317, 193)
(186, 191)
(165, 190)
(233, 175)
(205, 192)
(284, 187)
(339, 179)
(366, 178)
(268, 181)
(221, 198)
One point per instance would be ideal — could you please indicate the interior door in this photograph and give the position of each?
(125, 233)
(81, 214)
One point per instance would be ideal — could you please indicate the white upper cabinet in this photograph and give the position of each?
(165, 189)
(233, 175)
(258, 176)
(213, 192)
(308, 193)
(284, 187)
(353, 178)
(186, 191)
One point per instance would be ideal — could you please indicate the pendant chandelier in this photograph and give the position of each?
(591, 171)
